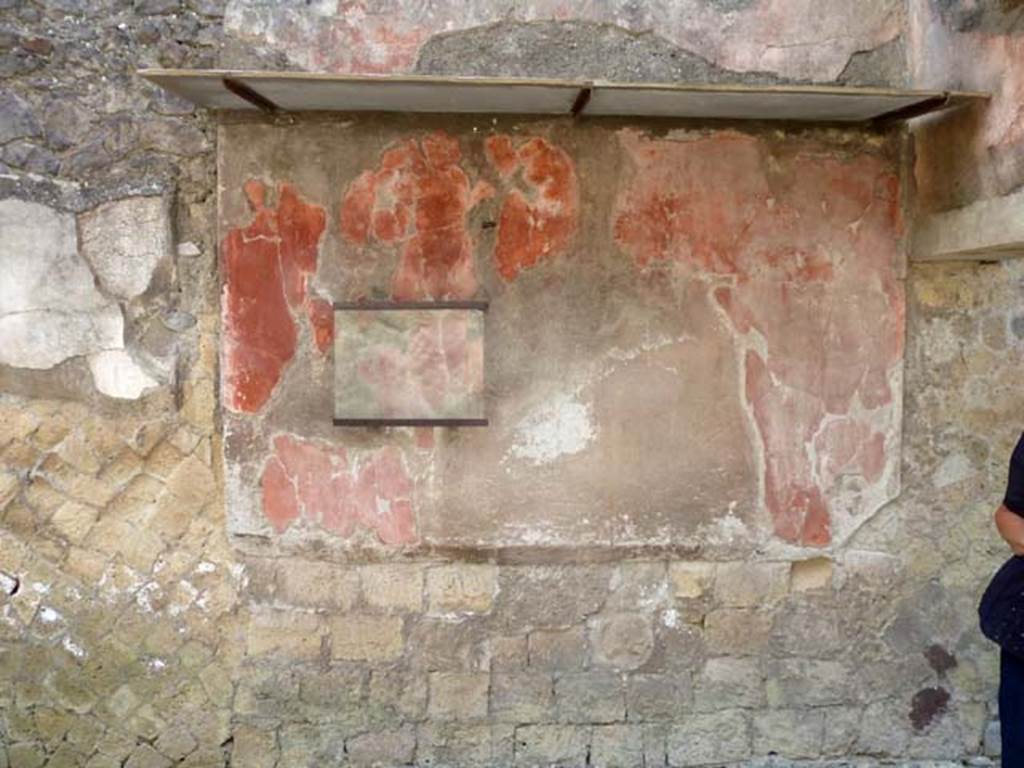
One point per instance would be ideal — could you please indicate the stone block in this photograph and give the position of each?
(842, 726)
(655, 743)
(176, 742)
(334, 695)
(691, 579)
(738, 631)
(144, 756)
(91, 490)
(658, 697)
(793, 683)
(790, 733)
(638, 586)
(509, 652)
(522, 697)
(725, 683)
(678, 645)
(622, 641)
(617, 746)
(438, 644)
(590, 697)
(139, 547)
(396, 587)
(884, 729)
(461, 744)
(396, 693)
(551, 745)
(811, 631)
(706, 739)
(562, 650)
(393, 746)
(193, 483)
(463, 588)
(314, 584)
(312, 746)
(459, 695)
(73, 521)
(366, 638)
(286, 633)
(750, 584)
(549, 596)
(809, 575)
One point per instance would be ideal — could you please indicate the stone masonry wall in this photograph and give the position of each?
(132, 633)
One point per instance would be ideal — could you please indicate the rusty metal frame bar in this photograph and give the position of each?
(360, 306)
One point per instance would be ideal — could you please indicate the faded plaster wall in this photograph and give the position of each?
(138, 628)
(694, 338)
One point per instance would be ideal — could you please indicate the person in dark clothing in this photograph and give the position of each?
(1010, 523)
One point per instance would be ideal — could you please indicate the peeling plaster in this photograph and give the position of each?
(563, 426)
(116, 374)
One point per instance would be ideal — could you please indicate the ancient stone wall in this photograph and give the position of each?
(141, 626)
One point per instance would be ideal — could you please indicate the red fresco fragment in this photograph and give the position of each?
(539, 223)
(267, 265)
(321, 485)
(799, 254)
(417, 199)
(321, 320)
(280, 504)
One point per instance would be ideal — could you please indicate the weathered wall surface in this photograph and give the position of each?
(718, 369)
(134, 632)
(977, 45)
(620, 40)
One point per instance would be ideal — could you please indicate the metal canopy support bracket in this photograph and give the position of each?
(934, 104)
(582, 99)
(243, 91)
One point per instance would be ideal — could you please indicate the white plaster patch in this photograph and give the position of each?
(116, 374)
(124, 241)
(670, 618)
(48, 615)
(50, 309)
(561, 427)
(73, 648)
(8, 583)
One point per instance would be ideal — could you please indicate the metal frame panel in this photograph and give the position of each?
(302, 91)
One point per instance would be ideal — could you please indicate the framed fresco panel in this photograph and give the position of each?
(409, 364)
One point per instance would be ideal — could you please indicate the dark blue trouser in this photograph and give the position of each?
(1011, 709)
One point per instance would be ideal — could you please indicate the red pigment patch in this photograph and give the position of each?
(539, 223)
(267, 265)
(321, 320)
(417, 199)
(800, 250)
(319, 483)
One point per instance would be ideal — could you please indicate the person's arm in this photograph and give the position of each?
(1011, 527)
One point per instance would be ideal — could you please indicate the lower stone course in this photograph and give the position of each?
(132, 632)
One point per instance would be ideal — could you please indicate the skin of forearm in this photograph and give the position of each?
(1011, 528)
